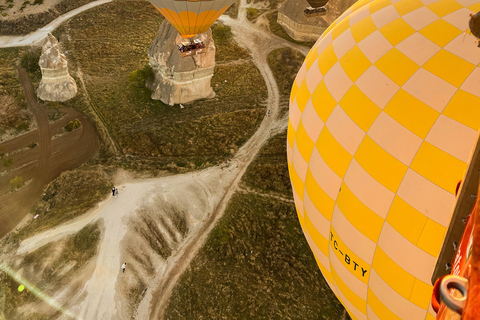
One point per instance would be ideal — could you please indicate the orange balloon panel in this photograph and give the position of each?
(191, 17)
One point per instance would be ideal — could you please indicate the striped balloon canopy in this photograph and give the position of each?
(191, 17)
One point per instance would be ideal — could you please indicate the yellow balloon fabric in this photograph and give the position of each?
(191, 17)
(383, 115)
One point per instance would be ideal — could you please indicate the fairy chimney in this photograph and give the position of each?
(180, 79)
(56, 83)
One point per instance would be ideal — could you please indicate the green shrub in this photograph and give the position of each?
(251, 13)
(32, 145)
(38, 2)
(137, 83)
(17, 182)
(72, 125)
(29, 60)
(22, 127)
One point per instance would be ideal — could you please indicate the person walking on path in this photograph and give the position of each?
(113, 191)
(124, 265)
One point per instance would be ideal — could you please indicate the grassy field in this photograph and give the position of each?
(278, 30)
(149, 134)
(256, 263)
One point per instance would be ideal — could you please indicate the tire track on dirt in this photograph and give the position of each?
(46, 161)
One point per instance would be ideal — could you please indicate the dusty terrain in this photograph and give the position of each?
(42, 163)
(188, 206)
(37, 36)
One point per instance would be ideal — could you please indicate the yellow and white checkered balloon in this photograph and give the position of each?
(383, 115)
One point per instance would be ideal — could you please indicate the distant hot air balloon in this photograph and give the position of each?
(191, 17)
(383, 115)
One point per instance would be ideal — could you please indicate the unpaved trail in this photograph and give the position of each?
(37, 36)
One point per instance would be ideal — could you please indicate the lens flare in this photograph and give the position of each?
(39, 294)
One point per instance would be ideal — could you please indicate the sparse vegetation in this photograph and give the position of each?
(253, 13)
(232, 11)
(225, 47)
(278, 30)
(32, 145)
(256, 263)
(7, 162)
(28, 23)
(70, 195)
(285, 64)
(269, 172)
(72, 125)
(51, 267)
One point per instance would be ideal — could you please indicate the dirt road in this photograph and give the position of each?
(37, 36)
(41, 164)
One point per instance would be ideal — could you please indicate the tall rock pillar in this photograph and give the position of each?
(180, 79)
(56, 83)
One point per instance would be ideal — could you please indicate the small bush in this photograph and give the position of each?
(32, 145)
(72, 125)
(251, 13)
(29, 60)
(38, 2)
(22, 127)
(17, 182)
(7, 162)
(137, 83)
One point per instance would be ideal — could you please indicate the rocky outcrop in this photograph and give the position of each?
(301, 28)
(180, 79)
(56, 83)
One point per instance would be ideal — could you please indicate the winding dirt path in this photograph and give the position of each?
(37, 36)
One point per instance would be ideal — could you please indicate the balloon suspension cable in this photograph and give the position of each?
(37, 292)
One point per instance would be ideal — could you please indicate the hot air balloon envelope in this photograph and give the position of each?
(383, 116)
(191, 17)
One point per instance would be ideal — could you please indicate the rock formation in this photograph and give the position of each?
(180, 79)
(301, 28)
(56, 83)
